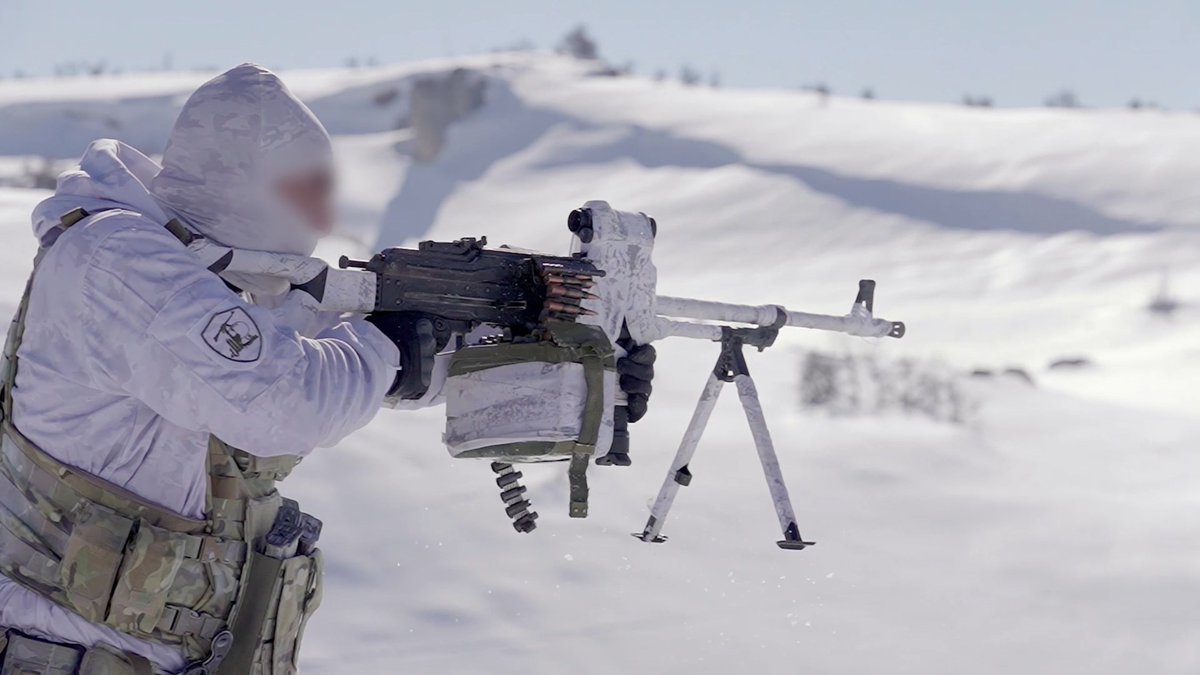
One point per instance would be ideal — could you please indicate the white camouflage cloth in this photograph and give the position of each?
(134, 353)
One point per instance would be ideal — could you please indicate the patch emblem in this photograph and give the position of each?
(234, 335)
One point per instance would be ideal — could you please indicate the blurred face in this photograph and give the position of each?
(310, 196)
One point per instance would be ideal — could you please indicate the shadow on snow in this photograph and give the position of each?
(505, 126)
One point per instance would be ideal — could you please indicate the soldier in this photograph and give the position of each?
(132, 525)
(150, 404)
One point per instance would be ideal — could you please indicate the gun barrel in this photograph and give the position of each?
(859, 321)
(707, 310)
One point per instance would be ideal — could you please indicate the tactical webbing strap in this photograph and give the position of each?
(577, 478)
(184, 235)
(589, 433)
(254, 609)
(21, 461)
(16, 332)
(70, 218)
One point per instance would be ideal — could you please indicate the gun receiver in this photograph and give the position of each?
(464, 285)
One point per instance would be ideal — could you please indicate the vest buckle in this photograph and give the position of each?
(221, 645)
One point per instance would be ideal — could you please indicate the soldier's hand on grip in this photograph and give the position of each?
(636, 371)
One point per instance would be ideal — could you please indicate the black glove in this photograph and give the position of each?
(414, 335)
(636, 371)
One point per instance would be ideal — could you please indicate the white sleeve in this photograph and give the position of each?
(171, 334)
(300, 311)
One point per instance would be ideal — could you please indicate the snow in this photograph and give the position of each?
(1049, 534)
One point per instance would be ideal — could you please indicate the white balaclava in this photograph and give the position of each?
(237, 135)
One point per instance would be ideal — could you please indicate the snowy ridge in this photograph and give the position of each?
(1046, 535)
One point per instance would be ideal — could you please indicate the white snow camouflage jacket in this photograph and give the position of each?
(134, 352)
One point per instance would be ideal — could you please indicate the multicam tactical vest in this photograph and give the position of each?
(205, 586)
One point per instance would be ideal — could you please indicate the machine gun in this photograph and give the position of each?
(571, 315)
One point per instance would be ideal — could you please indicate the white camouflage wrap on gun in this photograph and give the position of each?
(618, 242)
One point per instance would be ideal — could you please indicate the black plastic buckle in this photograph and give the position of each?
(221, 644)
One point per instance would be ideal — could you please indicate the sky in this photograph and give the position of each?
(1017, 51)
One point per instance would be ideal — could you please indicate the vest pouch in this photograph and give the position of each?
(103, 660)
(299, 597)
(22, 654)
(313, 598)
(287, 604)
(93, 558)
(151, 563)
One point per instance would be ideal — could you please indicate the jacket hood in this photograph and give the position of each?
(110, 175)
(235, 137)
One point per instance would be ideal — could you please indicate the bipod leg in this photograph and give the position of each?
(679, 475)
(748, 394)
(731, 367)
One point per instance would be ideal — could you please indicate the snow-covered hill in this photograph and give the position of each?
(1054, 532)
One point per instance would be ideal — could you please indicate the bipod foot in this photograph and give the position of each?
(794, 545)
(647, 535)
(793, 540)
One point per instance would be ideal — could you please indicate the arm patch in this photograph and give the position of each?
(233, 335)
